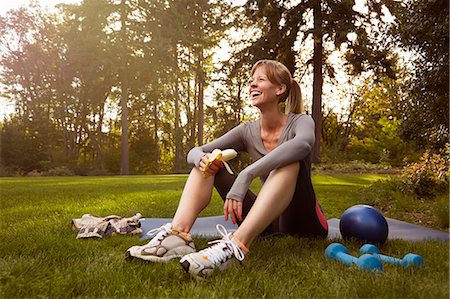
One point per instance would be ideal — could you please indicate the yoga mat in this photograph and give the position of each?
(397, 230)
(203, 226)
(206, 227)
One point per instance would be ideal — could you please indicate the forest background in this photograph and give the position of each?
(105, 87)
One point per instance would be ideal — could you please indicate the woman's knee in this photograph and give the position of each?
(289, 170)
(284, 176)
(196, 179)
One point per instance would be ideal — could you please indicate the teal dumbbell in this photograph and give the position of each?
(409, 260)
(338, 252)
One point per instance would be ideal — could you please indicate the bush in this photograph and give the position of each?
(34, 173)
(430, 176)
(441, 210)
(60, 171)
(7, 171)
(354, 167)
(384, 192)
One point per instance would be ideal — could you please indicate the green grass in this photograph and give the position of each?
(40, 257)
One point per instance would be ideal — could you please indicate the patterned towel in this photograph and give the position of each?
(93, 226)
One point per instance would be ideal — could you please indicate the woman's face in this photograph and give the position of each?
(262, 91)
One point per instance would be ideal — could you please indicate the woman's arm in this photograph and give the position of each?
(290, 151)
(232, 139)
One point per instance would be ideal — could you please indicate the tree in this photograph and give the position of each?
(147, 61)
(375, 122)
(422, 27)
(30, 60)
(123, 58)
(196, 27)
(21, 152)
(90, 70)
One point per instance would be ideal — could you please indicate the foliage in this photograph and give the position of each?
(425, 179)
(384, 146)
(429, 176)
(22, 150)
(442, 209)
(59, 171)
(354, 166)
(422, 27)
(395, 200)
(65, 72)
(282, 26)
(370, 131)
(419, 194)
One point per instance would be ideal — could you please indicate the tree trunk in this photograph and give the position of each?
(124, 162)
(238, 111)
(155, 136)
(201, 94)
(201, 112)
(178, 131)
(318, 80)
(98, 137)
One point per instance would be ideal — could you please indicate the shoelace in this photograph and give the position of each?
(216, 253)
(163, 229)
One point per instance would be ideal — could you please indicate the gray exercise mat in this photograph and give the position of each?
(397, 230)
(203, 226)
(206, 227)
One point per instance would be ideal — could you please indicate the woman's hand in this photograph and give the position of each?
(213, 168)
(233, 208)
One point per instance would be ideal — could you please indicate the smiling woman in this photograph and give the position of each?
(272, 74)
(279, 143)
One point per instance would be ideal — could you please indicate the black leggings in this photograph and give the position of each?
(303, 217)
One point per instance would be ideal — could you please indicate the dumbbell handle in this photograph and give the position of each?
(388, 259)
(346, 259)
(408, 260)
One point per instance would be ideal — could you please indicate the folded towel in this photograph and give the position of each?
(93, 226)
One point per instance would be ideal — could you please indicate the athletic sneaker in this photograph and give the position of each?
(222, 255)
(165, 245)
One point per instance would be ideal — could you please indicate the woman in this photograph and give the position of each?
(280, 144)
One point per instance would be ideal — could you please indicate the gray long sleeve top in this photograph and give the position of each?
(294, 144)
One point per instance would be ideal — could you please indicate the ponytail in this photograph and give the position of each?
(294, 101)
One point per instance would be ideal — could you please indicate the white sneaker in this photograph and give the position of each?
(165, 245)
(222, 255)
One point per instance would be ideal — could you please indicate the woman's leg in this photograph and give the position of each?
(196, 196)
(172, 240)
(272, 200)
(223, 181)
(303, 217)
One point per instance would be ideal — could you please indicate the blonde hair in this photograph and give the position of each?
(279, 74)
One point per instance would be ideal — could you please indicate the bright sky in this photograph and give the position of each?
(6, 5)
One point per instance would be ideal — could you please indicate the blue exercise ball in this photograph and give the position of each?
(364, 223)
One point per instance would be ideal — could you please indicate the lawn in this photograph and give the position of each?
(40, 257)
